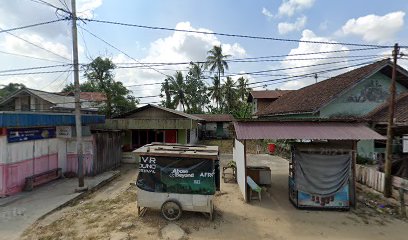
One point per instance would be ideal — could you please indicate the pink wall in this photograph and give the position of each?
(14, 174)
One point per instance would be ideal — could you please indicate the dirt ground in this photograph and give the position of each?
(111, 213)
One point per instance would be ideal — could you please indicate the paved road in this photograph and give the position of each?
(20, 211)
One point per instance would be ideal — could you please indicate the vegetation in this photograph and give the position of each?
(10, 88)
(224, 95)
(100, 78)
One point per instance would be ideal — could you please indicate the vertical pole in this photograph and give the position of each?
(246, 172)
(353, 175)
(78, 123)
(390, 135)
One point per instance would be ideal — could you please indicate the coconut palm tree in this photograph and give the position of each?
(177, 90)
(215, 91)
(242, 88)
(216, 61)
(230, 94)
(167, 93)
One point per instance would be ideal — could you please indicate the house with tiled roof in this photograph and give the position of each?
(351, 95)
(215, 126)
(261, 99)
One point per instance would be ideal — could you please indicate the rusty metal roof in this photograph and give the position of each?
(216, 117)
(304, 130)
(267, 94)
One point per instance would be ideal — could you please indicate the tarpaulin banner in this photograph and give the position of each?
(29, 134)
(177, 175)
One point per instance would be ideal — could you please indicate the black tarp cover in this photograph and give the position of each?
(321, 174)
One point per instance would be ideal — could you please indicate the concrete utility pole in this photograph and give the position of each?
(390, 133)
(78, 124)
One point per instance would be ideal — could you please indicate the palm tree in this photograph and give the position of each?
(230, 94)
(243, 89)
(177, 89)
(215, 91)
(166, 89)
(216, 60)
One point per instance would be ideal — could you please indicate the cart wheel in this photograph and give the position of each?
(171, 210)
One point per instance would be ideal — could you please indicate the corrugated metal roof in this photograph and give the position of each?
(31, 119)
(183, 114)
(304, 130)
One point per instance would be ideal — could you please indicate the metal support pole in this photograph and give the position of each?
(390, 135)
(78, 124)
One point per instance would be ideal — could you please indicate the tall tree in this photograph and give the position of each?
(167, 93)
(215, 91)
(216, 61)
(10, 88)
(230, 94)
(243, 89)
(196, 91)
(100, 78)
(177, 90)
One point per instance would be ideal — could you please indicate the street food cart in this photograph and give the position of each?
(176, 178)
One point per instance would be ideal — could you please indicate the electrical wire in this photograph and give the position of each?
(27, 56)
(32, 25)
(233, 35)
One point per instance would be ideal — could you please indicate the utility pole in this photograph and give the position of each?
(390, 133)
(315, 76)
(78, 124)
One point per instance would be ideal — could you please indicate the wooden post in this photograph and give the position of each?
(353, 175)
(390, 134)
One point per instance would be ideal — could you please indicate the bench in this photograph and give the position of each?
(253, 187)
(41, 178)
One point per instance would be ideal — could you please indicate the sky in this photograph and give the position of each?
(367, 22)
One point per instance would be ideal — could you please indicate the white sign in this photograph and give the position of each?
(405, 144)
(64, 132)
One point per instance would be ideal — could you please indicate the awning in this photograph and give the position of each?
(304, 130)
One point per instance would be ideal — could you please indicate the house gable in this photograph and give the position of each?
(154, 113)
(361, 99)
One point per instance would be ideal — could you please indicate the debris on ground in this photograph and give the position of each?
(172, 232)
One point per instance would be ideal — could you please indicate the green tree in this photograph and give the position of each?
(10, 88)
(100, 78)
(216, 61)
(215, 91)
(84, 87)
(230, 94)
(177, 90)
(165, 87)
(243, 89)
(196, 91)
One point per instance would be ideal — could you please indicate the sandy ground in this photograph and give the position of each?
(111, 213)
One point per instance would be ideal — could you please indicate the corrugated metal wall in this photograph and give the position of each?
(108, 152)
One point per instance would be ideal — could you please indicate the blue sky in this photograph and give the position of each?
(364, 21)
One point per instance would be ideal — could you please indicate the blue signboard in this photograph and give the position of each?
(29, 134)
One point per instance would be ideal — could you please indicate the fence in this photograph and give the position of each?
(374, 179)
(108, 151)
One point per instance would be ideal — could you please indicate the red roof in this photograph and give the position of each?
(380, 114)
(93, 96)
(304, 130)
(267, 94)
(315, 96)
(216, 117)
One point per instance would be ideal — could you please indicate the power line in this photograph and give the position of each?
(127, 55)
(234, 35)
(31, 73)
(38, 46)
(34, 68)
(27, 56)
(31, 25)
(51, 5)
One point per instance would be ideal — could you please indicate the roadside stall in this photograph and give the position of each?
(176, 178)
(322, 164)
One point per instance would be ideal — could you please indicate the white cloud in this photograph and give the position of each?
(286, 27)
(267, 13)
(308, 35)
(290, 7)
(178, 47)
(86, 8)
(374, 28)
